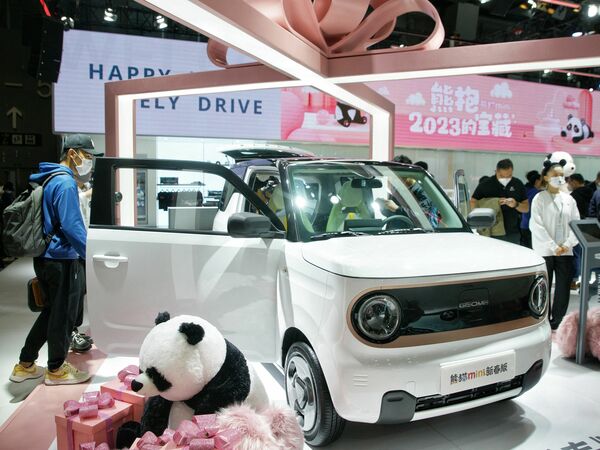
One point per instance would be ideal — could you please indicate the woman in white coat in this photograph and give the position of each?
(552, 238)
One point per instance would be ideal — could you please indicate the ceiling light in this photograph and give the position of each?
(483, 2)
(161, 23)
(546, 71)
(593, 10)
(577, 34)
(109, 15)
(591, 89)
(68, 22)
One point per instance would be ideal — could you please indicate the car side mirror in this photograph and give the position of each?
(250, 225)
(481, 218)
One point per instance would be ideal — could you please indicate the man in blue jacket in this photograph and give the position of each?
(60, 269)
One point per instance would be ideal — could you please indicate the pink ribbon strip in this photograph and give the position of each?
(339, 27)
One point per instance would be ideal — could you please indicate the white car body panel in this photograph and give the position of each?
(404, 256)
(229, 282)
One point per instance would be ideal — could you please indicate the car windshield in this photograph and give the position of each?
(334, 199)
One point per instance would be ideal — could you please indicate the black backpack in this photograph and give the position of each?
(23, 233)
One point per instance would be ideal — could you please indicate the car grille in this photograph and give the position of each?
(439, 401)
(459, 306)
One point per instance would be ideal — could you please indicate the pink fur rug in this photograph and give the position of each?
(275, 428)
(566, 335)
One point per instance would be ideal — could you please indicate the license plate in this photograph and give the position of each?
(473, 373)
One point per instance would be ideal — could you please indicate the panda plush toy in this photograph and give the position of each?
(577, 129)
(188, 368)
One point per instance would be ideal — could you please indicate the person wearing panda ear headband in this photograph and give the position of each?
(552, 238)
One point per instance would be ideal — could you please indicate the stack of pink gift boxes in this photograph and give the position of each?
(92, 424)
(201, 433)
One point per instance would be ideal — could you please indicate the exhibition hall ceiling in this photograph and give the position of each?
(466, 22)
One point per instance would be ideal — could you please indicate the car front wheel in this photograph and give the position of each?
(308, 395)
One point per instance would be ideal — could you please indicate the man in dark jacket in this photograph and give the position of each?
(581, 193)
(60, 268)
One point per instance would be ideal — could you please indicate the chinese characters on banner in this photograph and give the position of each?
(477, 117)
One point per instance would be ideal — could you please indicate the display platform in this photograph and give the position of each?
(562, 412)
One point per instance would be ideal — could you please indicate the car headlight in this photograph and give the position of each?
(538, 297)
(377, 318)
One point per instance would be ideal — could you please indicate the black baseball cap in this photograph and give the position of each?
(83, 142)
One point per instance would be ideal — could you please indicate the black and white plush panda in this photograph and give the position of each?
(187, 368)
(577, 129)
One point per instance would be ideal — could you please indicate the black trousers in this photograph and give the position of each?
(63, 282)
(562, 266)
(526, 237)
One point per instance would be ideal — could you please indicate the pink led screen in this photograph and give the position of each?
(468, 113)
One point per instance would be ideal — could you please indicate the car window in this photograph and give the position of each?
(267, 186)
(345, 197)
(181, 200)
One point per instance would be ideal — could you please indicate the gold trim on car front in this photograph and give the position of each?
(444, 336)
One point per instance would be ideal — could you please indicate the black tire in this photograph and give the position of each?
(328, 424)
(363, 119)
(345, 123)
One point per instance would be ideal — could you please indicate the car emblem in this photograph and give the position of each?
(473, 304)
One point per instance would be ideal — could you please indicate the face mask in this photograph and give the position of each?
(557, 182)
(84, 170)
(504, 181)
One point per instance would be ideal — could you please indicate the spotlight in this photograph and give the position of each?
(161, 23)
(68, 22)
(577, 34)
(547, 71)
(569, 74)
(483, 2)
(591, 89)
(109, 15)
(593, 10)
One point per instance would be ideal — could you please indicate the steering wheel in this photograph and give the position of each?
(402, 222)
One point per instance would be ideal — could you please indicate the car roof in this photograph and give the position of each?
(265, 152)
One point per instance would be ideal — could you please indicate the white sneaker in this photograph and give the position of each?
(66, 374)
(21, 373)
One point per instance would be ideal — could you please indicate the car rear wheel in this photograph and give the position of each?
(308, 395)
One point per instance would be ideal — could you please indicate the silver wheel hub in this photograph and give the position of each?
(300, 387)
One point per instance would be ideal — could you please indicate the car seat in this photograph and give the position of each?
(277, 206)
(351, 206)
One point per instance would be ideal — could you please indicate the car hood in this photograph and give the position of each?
(416, 255)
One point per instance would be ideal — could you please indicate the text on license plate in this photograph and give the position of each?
(473, 373)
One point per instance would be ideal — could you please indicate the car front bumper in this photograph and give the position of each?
(394, 385)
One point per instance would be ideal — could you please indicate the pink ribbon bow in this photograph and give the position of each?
(340, 27)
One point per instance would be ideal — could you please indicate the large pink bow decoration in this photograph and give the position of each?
(340, 27)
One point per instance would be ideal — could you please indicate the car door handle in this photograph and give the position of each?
(111, 261)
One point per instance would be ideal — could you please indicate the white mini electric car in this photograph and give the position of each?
(361, 278)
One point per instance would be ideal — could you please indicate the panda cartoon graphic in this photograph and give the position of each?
(187, 368)
(346, 114)
(577, 129)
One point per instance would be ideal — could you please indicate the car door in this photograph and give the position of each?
(462, 195)
(151, 247)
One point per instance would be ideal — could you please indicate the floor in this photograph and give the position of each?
(561, 413)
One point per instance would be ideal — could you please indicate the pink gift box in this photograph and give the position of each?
(121, 393)
(137, 445)
(73, 431)
(91, 398)
(129, 370)
(202, 444)
(227, 439)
